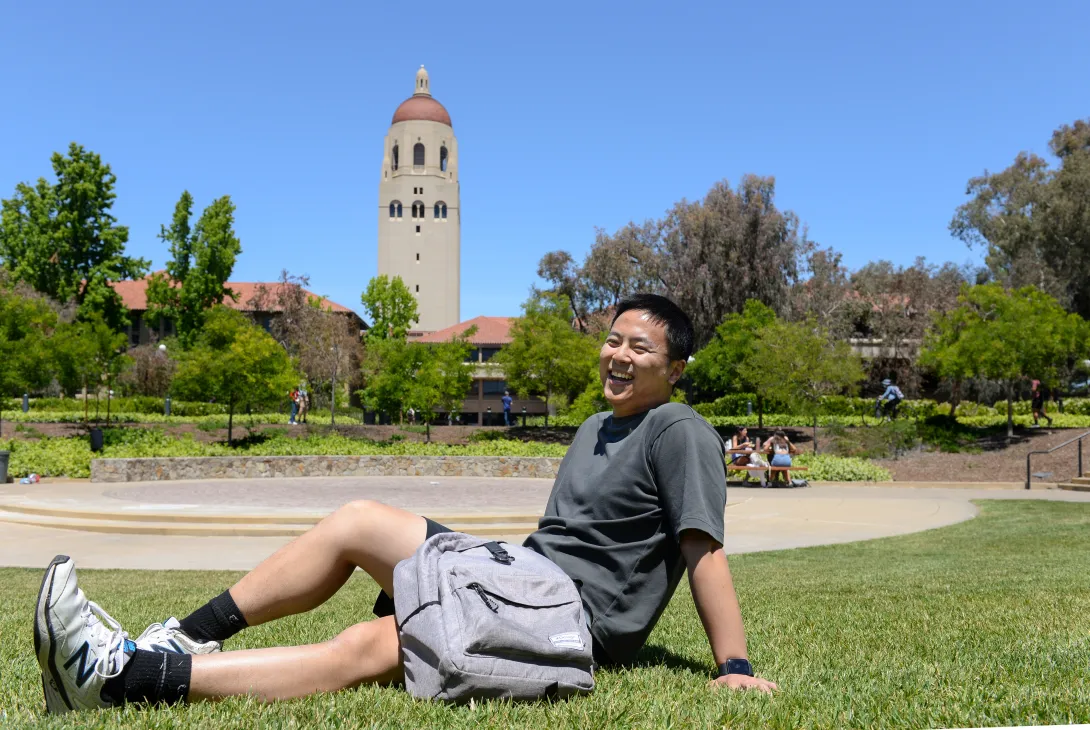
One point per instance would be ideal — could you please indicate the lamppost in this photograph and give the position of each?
(166, 402)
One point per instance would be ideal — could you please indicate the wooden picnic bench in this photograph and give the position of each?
(735, 467)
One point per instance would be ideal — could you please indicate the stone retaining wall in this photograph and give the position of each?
(272, 467)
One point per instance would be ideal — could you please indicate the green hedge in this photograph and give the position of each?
(834, 405)
(320, 417)
(71, 456)
(825, 468)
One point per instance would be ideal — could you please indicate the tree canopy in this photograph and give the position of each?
(799, 364)
(546, 356)
(235, 362)
(1033, 219)
(1005, 335)
(390, 306)
(64, 241)
(324, 344)
(26, 322)
(201, 262)
(709, 256)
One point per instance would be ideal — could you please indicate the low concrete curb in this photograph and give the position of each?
(273, 467)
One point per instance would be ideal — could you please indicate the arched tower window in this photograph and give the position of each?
(393, 156)
(443, 158)
(395, 209)
(418, 156)
(418, 209)
(440, 211)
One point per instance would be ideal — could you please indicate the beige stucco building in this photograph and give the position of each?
(419, 216)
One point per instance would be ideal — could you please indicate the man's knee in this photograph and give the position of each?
(357, 515)
(368, 651)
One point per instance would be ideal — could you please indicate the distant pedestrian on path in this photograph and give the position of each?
(294, 397)
(304, 404)
(1037, 403)
(506, 407)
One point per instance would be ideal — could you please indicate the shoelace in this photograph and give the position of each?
(114, 642)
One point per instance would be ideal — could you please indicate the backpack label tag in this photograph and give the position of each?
(568, 640)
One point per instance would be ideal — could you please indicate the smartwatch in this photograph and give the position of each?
(736, 666)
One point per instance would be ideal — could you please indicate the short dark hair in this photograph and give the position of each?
(660, 310)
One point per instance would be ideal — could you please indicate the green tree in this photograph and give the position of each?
(442, 381)
(546, 356)
(718, 366)
(1005, 336)
(235, 362)
(390, 365)
(87, 354)
(63, 240)
(26, 322)
(797, 362)
(201, 262)
(1033, 219)
(390, 306)
(685, 256)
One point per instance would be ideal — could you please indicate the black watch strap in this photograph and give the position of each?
(736, 666)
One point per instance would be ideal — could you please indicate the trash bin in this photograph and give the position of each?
(96, 439)
(4, 455)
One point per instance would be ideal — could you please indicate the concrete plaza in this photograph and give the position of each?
(234, 524)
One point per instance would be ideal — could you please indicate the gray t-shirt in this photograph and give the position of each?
(624, 492)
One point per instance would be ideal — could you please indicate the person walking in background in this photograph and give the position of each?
(1037, 403)
(294, 396)
(889, 400)
(304, 403)
(506, 407)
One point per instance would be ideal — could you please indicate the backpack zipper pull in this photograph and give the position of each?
(485, 597)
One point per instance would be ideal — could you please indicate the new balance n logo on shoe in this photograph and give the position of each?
(170, 647)
(83, 672)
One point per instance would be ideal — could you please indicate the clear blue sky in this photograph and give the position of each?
(872, 116)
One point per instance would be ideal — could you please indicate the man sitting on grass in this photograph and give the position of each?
(638, 498)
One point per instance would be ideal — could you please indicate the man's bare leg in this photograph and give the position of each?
(309, 570)
(365, 653)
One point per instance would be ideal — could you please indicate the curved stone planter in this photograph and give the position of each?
(272, 467)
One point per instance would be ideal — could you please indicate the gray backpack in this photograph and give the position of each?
(480, 619)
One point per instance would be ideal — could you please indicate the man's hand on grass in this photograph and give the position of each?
(743, 682)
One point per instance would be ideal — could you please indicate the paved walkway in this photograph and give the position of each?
(756, 519)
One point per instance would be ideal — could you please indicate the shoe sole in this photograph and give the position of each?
(41, 617)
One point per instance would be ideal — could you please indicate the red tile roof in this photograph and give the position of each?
(134, 295)
(490, 331)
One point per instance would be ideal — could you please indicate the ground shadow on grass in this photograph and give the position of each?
(655, 655)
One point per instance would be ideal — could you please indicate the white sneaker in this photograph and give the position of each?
(79, 646)
(169, 637)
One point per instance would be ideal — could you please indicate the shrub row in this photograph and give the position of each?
(825, 468)
(71, 456)
(835, 405)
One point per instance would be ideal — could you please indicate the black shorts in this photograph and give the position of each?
(384, 604)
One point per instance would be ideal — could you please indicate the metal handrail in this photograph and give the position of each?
(1054, 448)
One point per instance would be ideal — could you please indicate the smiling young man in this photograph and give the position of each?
(638, 500)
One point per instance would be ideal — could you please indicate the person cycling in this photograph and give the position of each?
(887, 403)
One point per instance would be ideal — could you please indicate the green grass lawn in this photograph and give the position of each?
(982, 623)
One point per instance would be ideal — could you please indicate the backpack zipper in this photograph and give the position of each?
(485, 597)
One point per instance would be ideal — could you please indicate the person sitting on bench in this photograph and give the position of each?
(781, 449)
(739, 441)
(638, 501)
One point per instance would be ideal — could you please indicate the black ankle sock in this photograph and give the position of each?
(152, 677)
(217, 620)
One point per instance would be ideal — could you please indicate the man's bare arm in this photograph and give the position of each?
(717, 604)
